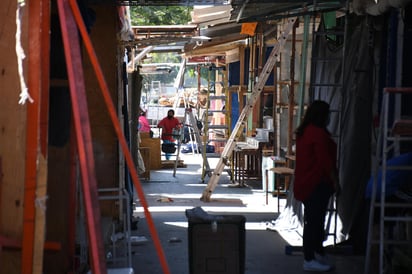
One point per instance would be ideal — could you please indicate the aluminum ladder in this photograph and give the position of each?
(190, 120)
(388, 140)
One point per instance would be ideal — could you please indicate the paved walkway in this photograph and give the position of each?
(168, 198)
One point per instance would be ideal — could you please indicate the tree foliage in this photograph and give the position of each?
(160, 15)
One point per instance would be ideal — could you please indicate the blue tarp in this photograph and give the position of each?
(395, 179)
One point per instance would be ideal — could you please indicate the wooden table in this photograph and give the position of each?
(282, 179)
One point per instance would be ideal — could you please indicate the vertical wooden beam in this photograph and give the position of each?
(40, 215)
(32, 140)
(241, 78)
(276, 141)
(291, 103)
(259, 106)
(199, 78)
(251, 82)
(45, 77)
(41, 188)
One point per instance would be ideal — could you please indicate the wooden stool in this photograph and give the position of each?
(280, 173)
(247, 163)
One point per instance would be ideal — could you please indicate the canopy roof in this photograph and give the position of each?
(216, 22)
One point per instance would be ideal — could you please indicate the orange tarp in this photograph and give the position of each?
(248, 28)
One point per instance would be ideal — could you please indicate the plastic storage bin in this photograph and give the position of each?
(216, 243)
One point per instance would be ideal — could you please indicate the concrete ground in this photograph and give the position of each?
(168, 197)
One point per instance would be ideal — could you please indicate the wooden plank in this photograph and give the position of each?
(40, 216)
(32, 144)
(13, 135)
(45, 76)
(166, 164)
(154, 145)
(211, 15)
(41, 187)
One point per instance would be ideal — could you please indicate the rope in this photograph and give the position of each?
(24, 94)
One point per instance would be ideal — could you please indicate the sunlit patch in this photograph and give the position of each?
(209, 209)
(248, 225)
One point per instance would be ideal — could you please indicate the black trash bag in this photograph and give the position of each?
(210, 149)
(169, 148)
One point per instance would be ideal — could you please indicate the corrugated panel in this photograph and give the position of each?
(263, 10)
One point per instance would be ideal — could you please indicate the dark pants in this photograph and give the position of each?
(314, 221)
(168, 155)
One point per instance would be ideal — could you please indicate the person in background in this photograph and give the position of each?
(168, 124)
(144, 125)
(315, 181)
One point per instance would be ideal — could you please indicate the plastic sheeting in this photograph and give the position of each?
(356, 129)
(375, 8)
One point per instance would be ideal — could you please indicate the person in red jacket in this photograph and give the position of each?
(168, 124)
(315, 181)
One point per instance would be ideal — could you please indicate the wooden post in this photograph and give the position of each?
(36, 143)
(291, 107)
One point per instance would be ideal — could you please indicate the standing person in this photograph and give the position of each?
(168, 124)
(144, 125)
(315, 181)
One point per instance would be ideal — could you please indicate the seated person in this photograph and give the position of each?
(143, 125)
